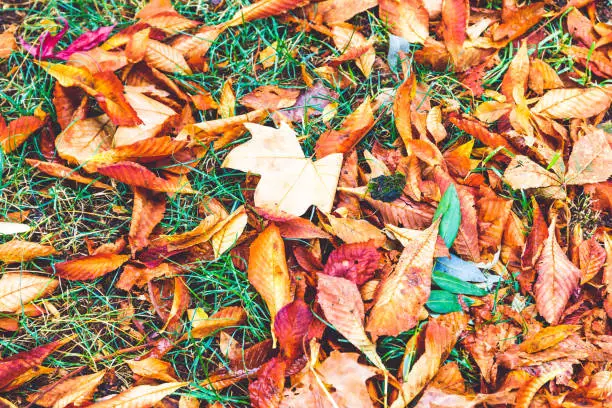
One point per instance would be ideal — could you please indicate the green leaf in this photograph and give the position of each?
(441, 301)
(456, 285)
(450, 211)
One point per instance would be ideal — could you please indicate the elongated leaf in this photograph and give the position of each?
(76, 391)
(227, 317)
(89, 267)
(456, 285)
(523, 173)
(165, 58)
(557, 279)
(455, 16)
(23, 251)
(153, 368)
(407, 18)
(137, 175)
(291, 326)
(441, 301)
(449, 209)
(403, 292)
(458, 268)
(61, 171)
(141, 396)
(147, 212)
(343, 308)
(20, 288)
(573, 103)
(591, 159)
(268, 271)
(263, 9)
(18, 131)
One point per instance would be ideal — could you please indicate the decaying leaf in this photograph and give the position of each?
(23, 251)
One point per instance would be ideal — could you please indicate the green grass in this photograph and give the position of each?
(64, 213)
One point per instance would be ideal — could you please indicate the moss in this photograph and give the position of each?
(387, 188)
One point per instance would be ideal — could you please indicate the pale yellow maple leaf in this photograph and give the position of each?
(290, 181)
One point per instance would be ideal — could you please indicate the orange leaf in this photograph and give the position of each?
(71, 392)
(343, 308)
(402, 293)
(493, 213)
(89, 267)
(263, 9)
(291, 327)
(607, 275)
(301, 228)
(355, 46)
(557, 279)
(480, 132)
(268, 271)
(226, 317)
(153, 368)
(23, 251)
(351, 231)
(18, 364)
(266, 391)
(137, 175)
(591, 158)
(8, 44)
(84, 138)
(18, 131)
(180, 303)
(519, 22)
(401, 108)
(354, 127)
(406, 18)
(110, 97)
(547, 337)
(517, 75)
(141, 396)
(542, 76)
(526, 393)
(148, 211)
(58, 170)
(570, 103)
(592, 259)
(166, 58)
(455, 16)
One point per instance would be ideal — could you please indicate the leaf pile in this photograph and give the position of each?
(459, 238)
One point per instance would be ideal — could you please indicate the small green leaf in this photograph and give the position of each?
(449, 209)
(456, 285)
(441, 301)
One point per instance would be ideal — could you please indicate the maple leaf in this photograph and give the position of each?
(407, 285)
(557, 279)
(289, 181)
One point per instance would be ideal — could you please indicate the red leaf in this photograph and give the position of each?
(356, 262)
(45, 43)
(137, 175)
(16, 365)
(86, 41)
(266, 391)
(455, 15)
(291, 326)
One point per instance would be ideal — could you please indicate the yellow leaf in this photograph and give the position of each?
(351, 231)
(267, 56)
(23, 251)
(227, 102)
(290, 182)
(233, 227)
(20, 288)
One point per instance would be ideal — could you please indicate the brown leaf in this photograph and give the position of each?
(455, 15)
(592, 258)
(547, 337)
(591, 159)
(227, 235)
(557, 279)
(514, 84)
(291, 327)
(75, 391)
(89, 267)
(402, 293)
(542, 77)
(401, 108)
(17, 289)
(84, 138)
(148, 211)
(141, 396)
(268, 271)
(353, 231)
(353, 45)
(354, 127)
(572, 103)
(529, 390)
(406, 18)
(23, 251)
(523, 173)
(8, 44)
(343, 308)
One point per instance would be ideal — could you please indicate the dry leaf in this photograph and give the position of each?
(75, 391)
(153, 368)
(23, 251)
(290, 182)
(17, 289)
(141, 396)
(89, 267)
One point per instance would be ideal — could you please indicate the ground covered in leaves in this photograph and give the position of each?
(290, 203)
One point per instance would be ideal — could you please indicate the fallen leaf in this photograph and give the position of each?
(141, 396)
(573, 103)
(354, 127)
(291, 325)
(24, 251)
(523, 173)
(557, 279)
(85, 138)
(526, 393)
(166, 58)
(356, 262)
(17, 132)
(58, 170)
(270, 97)
(202, 326)
(268, 271)
(263, 9)
(408, 285)
(137, 175)
(353, 45)
(8, 44)
(591, 159)
(17, 289)
(289, 181)
(89, 267)
(266, 390)
(147, 212)
(355, 231)
(406, 18)
(227, 236)
(343, 308)
(153, 368)
(75, 391)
